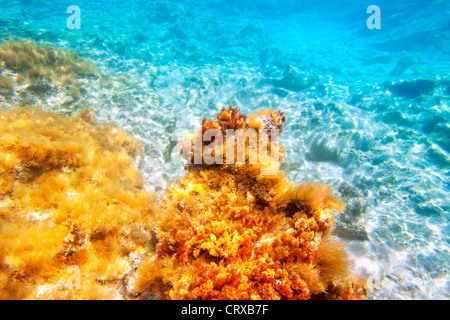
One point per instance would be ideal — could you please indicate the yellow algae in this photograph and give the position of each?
(67, 203)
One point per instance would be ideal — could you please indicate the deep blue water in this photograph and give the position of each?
(368, 109)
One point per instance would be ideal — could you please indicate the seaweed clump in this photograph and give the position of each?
(35, 69)
(70, 199)
(228, 230)
(33, 62)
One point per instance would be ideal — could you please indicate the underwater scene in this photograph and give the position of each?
(116, 176)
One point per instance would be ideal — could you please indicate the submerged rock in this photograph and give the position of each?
(351, 232)
(322, 149)
(292, 79)
(413, 89)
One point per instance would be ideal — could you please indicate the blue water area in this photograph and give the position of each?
(368, 109)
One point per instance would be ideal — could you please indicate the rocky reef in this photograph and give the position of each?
(227, 231)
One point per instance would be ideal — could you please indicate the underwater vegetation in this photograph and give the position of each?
(33, 62)
(70, 195)
(229, 232)
(28, 68)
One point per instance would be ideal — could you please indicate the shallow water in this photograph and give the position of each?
(368, 109)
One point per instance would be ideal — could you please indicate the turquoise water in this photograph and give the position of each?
(368, 109)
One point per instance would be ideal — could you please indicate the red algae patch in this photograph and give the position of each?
(227, 231)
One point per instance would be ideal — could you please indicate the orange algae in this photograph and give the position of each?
(70, 195)
(227, 231)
